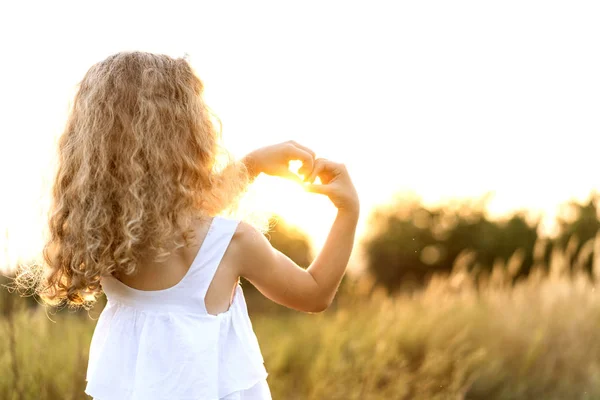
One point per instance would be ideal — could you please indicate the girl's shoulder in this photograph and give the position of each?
(248, 247)
(244, 236)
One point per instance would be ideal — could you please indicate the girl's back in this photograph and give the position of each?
(155, 344)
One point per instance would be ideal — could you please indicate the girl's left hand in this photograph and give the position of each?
(274, 160)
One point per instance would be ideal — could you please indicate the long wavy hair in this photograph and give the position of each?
(139, 160)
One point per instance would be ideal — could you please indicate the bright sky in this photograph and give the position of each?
(448, 99)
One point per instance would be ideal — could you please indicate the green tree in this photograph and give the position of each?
(578, 225)
(410, 242)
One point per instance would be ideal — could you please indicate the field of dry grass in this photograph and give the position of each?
(460, 338)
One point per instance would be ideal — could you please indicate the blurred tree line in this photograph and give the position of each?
(409, 242)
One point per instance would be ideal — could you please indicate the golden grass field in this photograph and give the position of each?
(460, 338)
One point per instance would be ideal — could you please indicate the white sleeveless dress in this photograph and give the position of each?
(164, 345)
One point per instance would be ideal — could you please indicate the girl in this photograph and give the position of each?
(135, 214)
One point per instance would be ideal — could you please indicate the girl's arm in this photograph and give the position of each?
(282, 280)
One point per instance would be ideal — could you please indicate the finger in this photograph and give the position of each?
(318, 168)
(323, 165)
(306, 149)
(320, 189)
(306, 168)
(296, 153)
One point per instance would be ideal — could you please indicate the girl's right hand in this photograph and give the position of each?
(336, 184)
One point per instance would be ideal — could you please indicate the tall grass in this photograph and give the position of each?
(468, 335)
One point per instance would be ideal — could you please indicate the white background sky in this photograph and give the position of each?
(449, 99)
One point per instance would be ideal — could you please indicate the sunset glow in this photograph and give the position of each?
(410, 97)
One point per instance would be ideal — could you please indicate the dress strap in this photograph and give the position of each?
(216, 244)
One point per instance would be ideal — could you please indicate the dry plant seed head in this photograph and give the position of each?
(539, 250)
(483, 281)
(458, 280)
(558, 264)
(138, 162)
(571, 249)
(498, 277)
(584, 254)
(536, 274)
(515, 262)
(464, 260)
(596, 258)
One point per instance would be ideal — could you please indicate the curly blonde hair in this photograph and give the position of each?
(138, 163)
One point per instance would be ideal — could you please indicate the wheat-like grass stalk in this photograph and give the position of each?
(539, 250)
(596, 258)
(571, 248)
(583, 256)
(11, 315)
(515, 263)
(558, 264)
